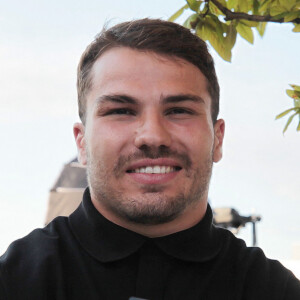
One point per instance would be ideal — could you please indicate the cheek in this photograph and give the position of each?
(108, 141)
(197, 139)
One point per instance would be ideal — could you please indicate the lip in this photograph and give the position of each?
(154, 179)
(154, 162)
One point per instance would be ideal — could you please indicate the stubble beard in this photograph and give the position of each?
(152, 206)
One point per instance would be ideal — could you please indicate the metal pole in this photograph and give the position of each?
(254, 242)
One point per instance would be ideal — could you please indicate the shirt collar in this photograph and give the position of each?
(106, 241)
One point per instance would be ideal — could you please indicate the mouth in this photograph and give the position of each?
(154, 171)
(157, 169)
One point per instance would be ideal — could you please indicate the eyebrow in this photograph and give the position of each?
(125, 99)
(116, 99)
(182, 98)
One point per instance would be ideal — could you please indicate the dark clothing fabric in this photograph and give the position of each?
(86, 256)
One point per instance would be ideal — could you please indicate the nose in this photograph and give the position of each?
(152, 132)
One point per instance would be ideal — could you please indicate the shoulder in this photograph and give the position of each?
(258, 275)
(33, 256)
(39, 243)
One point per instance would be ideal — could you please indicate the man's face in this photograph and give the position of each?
(149, 141)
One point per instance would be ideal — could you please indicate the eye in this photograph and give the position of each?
(120, 111)
(178, 111)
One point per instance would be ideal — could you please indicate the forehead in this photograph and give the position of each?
(144, 74)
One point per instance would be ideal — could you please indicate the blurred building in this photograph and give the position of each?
(66, 194)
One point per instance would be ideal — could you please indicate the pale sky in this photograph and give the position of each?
(40, 46)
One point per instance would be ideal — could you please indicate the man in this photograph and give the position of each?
(148, 101)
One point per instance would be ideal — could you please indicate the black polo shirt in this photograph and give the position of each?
(86, 256)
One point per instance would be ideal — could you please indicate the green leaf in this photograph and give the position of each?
(261, 27)
(231, 34)
(280, 16)
(223, 2)
(290, 93)
(298, 127)
(178, 13)
(216, 24)
(296, 28)
(276, 10)
(243, 6)
(232, 4)
(287, 4)
(263, 8)
(285, 112)
(214, 9)
(249, 23)
(194, 4)
(255, 7)
(204, 28)
(225, 26)
(210, 33)
(219, 46)
(291, 16)
(295, 87)
(192, 18)
(297, 6)
(201, 31)
(293, 94)
(245, 32)
(289, 121)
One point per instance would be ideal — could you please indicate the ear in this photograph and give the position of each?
(219, 130)
(78, 130)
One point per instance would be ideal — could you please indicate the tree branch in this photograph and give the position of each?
(230, 15)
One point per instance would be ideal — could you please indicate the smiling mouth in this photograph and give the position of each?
(155, 170)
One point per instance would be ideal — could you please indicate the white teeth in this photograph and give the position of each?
(155, 169)
(149, 170)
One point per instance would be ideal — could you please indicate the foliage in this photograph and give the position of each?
(220, 21)
(295, 95)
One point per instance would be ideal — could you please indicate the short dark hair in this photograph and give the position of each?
(161, 37)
